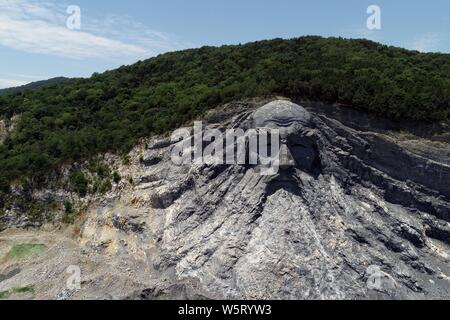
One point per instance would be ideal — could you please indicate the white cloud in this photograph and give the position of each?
(8, 80)
(126, 28)
(38, 36)
(427, 42)
(40, 27)
(8, 83)
(23, 76)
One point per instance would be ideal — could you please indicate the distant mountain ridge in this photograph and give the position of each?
(33, 85)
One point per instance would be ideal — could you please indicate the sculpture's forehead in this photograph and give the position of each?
(281, 112)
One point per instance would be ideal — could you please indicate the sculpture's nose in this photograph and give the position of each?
(286, 159)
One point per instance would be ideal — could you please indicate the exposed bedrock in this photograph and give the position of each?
(351, 214)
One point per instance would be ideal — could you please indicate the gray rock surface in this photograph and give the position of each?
(352, 214)
(314, 231)
(3, 131)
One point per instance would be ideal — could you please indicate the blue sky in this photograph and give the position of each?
(35, 43)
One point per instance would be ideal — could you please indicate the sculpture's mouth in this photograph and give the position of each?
(285, 180)
(289, 179)
(286, 175)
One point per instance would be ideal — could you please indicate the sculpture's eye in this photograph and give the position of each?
(301, 152)
(275, 123)
(305, 156)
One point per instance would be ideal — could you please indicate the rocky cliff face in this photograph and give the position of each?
(6, 127)
(3, 131)
(353, 213)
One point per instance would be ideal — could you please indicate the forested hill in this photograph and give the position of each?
(32, 85)
(79, 118)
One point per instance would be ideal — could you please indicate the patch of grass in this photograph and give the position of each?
(5, 295)
(24, 250)
(24, 290)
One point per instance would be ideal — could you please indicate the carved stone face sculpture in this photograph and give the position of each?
(297, 146)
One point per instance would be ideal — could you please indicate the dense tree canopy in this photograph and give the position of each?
(79, 118)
